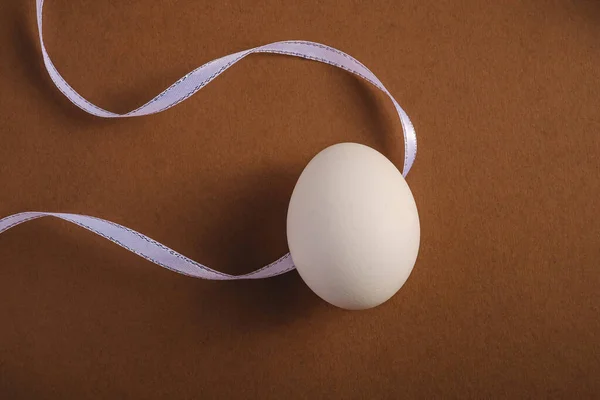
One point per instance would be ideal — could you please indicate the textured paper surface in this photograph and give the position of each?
(503, 300)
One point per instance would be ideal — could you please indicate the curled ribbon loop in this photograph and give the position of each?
(175, 94)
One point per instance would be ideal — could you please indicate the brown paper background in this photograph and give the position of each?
(503, 301)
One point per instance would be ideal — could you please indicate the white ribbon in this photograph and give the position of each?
(175, 94)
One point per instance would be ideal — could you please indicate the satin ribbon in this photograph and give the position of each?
(176, 93)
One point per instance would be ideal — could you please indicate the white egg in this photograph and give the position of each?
(353, 227)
